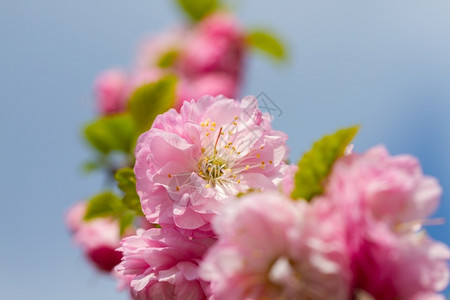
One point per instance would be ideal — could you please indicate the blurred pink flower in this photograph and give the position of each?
(153, 49)
(213, 84)
(189, 163)
(428, 296)
(215, 45)
(385, 188)
(162, 264)
(288, 182)
(271, 247)
(74, 216)
(207, 58)
(98, 238)
(385, 200)
(393, 266)
(110, 90)
(143, 77)
(361, 295)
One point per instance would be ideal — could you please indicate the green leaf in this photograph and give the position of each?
(152, 99)
(126, 182)
(198, 9)
(110, 133)
(268, 43)
(108, 205)
(90, 166)
(126, 220)
(168, 59)
(250, 190)
(103, 205)
(316, 164)
(134, 203)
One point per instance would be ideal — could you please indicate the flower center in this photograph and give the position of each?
(211, 168)
(222, 161)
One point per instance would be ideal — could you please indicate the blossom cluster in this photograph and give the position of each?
(207, 205)
(213, 177)
(98, 238)
(207, 59)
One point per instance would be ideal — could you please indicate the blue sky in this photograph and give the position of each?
(382, 64)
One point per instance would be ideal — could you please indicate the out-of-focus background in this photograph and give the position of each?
(382, 64)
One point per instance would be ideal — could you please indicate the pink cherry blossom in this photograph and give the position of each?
(388, 265)
(213, 84)
(385, 200)
(74, 216)
(154, 48)
(163, 264)
(110, 90)
(428, 296)
(385, 188)
(270, 247)
(207, 58)
(189, 163)
(288, 182)
(143, 77)
(215, 45)
(98, 238)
